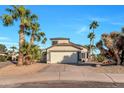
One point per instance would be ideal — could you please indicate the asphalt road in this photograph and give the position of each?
(66, 84)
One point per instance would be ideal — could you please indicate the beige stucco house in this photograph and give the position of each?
(64, 51)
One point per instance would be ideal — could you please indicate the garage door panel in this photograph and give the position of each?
(63, 57)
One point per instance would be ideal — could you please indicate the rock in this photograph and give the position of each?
(98, 65)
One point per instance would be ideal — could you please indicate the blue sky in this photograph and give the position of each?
(68, 21)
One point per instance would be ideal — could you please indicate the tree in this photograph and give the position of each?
(91, 36)
(35, 35)
(32, 55)
(18, 13)
(92, 27)
(119, 43)
(114, 44)
(3, 48)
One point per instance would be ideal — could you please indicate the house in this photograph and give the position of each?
(64, 51)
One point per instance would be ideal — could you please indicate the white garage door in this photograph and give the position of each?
(63, 57)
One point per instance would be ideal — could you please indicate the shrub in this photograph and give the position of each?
(3, 58)
(100, 58)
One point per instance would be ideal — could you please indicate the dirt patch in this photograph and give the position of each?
(4, 64)
(99, 69)
(21, 70)
(109, 69)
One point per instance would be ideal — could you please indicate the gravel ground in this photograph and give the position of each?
(12, 69)
(4, 64)
(66, 84)
(110, 69)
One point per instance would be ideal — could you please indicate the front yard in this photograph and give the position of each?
(11, 69)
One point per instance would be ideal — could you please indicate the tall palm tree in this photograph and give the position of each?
(93, 26)
(91, 36)
(34, 30)
(17, 13)
(36, 35)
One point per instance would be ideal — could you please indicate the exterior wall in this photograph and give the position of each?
(61, 41)
(85, 51)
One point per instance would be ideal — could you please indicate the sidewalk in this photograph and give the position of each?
(75, 76)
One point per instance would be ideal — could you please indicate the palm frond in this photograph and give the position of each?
(27, 33)
(9, 10)
(34, 17)
(7, 20)
(41, 34)
(44, 40)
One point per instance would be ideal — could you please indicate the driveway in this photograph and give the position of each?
(54, 68)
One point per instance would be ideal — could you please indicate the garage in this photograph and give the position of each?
(63, 57)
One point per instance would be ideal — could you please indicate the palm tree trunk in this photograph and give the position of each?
(32, 38)
(93, 42)
(90, 49)
(28, 59)
(21, 42)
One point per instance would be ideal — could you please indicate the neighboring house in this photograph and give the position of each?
(14, 56)
(64, 51)
(3, 54)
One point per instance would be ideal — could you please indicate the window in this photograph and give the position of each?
(83, 55)
(54, 42)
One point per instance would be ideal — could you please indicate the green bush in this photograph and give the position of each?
(100, 58)
(3, 58)
(9, 58)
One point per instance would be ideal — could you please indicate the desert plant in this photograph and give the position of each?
(100, 58)
(3, 58)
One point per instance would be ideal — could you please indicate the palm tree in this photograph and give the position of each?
(18, 13)
(91, 36)
(36, 34)
(32, 55)
(93, 26)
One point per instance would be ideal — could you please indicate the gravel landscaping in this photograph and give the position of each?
(4, 64)
(110, 69)
(12, 69)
